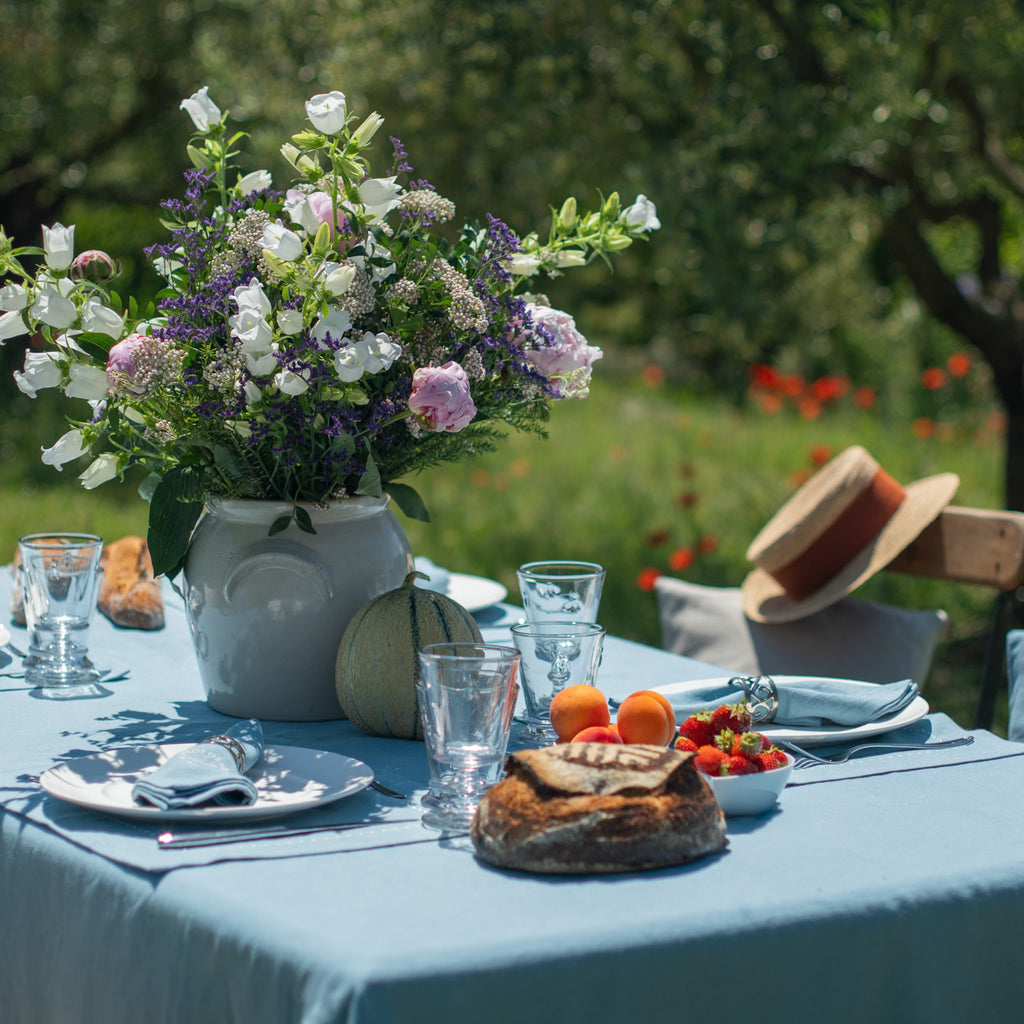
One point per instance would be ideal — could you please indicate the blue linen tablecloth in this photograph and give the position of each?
(889, 890)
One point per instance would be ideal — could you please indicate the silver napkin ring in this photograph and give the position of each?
(233, 747)
(761, 695)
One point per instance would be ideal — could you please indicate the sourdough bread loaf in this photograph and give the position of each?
(592, 808)
(129, 595)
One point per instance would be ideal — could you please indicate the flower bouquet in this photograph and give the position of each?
(310, 344)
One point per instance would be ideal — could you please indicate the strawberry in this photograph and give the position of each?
(731, 716)
(771, 758)
(724, 740)
(749, 744)
(697, 727)
(709, 760)
(685, 744)
(737, 764)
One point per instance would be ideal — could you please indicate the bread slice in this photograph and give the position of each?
(594, 808)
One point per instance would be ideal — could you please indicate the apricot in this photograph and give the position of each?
(662, 700)
(576, 708)
(642, 719)
(597, 734)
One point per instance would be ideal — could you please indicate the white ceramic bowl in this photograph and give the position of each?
(750, 794)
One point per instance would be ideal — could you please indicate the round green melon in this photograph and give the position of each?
(378, 663)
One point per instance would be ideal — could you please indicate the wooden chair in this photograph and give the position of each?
(986, 548)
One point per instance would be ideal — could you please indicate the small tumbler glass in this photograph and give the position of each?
(468, 695)
(561, 590)
(60, 575)
(554, 655)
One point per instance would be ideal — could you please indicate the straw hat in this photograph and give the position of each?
(845, 524)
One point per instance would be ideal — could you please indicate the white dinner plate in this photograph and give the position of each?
(821, 735)
(474, 593)
(288, 779)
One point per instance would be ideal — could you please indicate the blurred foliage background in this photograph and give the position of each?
(839, 183)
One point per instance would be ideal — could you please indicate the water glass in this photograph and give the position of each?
(60, 575)
(554, 655)
(467, 698)
(567, 591)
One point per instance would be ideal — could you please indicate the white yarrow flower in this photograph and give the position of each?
(327, 112)
(201, 109)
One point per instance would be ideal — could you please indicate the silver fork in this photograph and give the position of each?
(805, 759)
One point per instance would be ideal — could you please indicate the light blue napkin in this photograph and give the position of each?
(804, 702)
(210, 772)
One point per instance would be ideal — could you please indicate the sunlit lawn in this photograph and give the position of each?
(637, 478)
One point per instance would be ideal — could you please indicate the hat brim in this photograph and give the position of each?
(764, 600)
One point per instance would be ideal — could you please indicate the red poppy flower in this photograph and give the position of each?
(680, 559)
(865, 398)
(959, 364)
(820, 454)
(933, 378)
(707, 543)
(646, 578)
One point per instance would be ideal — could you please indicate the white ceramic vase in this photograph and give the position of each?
(266, 614)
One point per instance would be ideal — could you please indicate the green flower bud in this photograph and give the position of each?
(567, 215)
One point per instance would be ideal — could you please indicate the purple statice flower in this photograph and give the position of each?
(401, 165)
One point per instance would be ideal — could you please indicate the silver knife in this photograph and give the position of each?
(206, 837)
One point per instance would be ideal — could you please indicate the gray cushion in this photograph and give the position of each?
(852, 639)
(1015, 672)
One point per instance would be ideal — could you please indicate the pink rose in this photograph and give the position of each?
(568, 351)
(121, 365)
(440, 397)
(322, 206)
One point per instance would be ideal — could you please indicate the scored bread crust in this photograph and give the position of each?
(595, 808)
(129, 595)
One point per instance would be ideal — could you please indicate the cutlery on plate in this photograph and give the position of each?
(188, 840)
(805, 759)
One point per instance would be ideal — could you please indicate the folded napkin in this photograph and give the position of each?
(210, 772)
(806, 702)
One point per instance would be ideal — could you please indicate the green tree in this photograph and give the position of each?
(840, 183)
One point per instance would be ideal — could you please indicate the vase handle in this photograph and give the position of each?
(293, 560)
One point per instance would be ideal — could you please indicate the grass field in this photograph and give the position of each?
(641, 478)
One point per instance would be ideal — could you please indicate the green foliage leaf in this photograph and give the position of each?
(278, 525)
(369, 482)
(409, 501)
(302, 520)
(174, 510)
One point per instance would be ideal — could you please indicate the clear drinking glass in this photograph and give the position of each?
(554, 655)
(468, 695)
(60, 575)
(567, 591)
